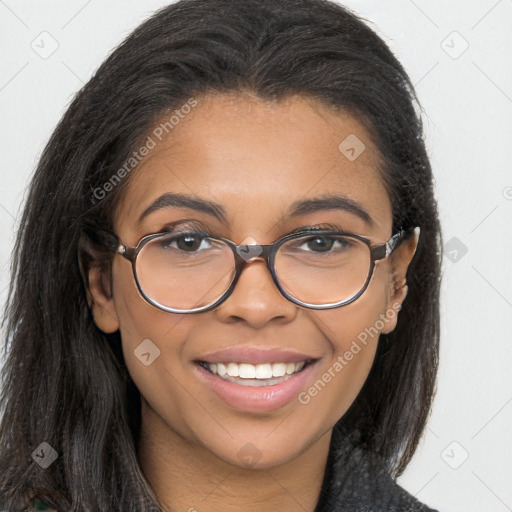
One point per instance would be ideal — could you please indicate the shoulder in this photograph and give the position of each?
(358, 481)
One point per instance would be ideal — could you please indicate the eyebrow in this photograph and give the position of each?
(331, 202)
(184, 201)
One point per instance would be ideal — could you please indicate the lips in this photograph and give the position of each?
(254, 395)
(255, 379)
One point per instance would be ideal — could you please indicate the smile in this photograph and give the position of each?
(247, 374)
(262, 387)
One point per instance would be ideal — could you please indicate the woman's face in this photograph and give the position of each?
(256, 160)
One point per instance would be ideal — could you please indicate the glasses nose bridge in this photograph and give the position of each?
(247, 254)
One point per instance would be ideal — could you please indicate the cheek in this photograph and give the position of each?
(153, 340)
(153, 344)
(342, 326)
(139, 320)
(352, 333)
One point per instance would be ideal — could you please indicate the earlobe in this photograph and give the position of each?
(101, 301)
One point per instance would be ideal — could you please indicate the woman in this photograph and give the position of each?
(220, 299)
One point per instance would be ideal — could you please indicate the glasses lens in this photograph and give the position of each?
(185, 270)
(323, 269)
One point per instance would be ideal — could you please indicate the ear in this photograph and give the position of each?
(101, 300)
(400, 261)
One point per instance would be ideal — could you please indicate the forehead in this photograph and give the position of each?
(256, 157)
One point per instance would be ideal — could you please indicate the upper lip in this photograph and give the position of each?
(255, 355)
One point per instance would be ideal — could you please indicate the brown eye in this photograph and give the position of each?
(325, 243)
(188, 242)
(185, 242)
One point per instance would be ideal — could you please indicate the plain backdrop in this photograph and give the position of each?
(458, 54)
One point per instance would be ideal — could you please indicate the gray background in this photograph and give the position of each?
(458, 55)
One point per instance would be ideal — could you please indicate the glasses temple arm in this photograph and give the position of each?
(383, 251)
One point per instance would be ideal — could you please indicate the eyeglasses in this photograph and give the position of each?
(192, 271)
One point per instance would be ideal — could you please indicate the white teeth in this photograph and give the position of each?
(220, 370)
(233, 370)
(290, 368)
(246, 371)
(263, 371)
(259, 371)
(279, 369)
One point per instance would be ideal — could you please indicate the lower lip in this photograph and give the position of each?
(257, 398)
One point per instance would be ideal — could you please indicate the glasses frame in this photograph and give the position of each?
(377, 252)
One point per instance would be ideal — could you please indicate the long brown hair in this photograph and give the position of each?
(64, 381)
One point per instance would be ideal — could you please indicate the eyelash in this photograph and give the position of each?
(318, 227)
(195, 226)
(186, 227)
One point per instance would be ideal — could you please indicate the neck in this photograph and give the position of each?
(188, 477)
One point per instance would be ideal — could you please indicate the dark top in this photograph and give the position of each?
(355, 480)
(40, 505)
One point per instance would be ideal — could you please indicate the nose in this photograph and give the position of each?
(256, 300)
